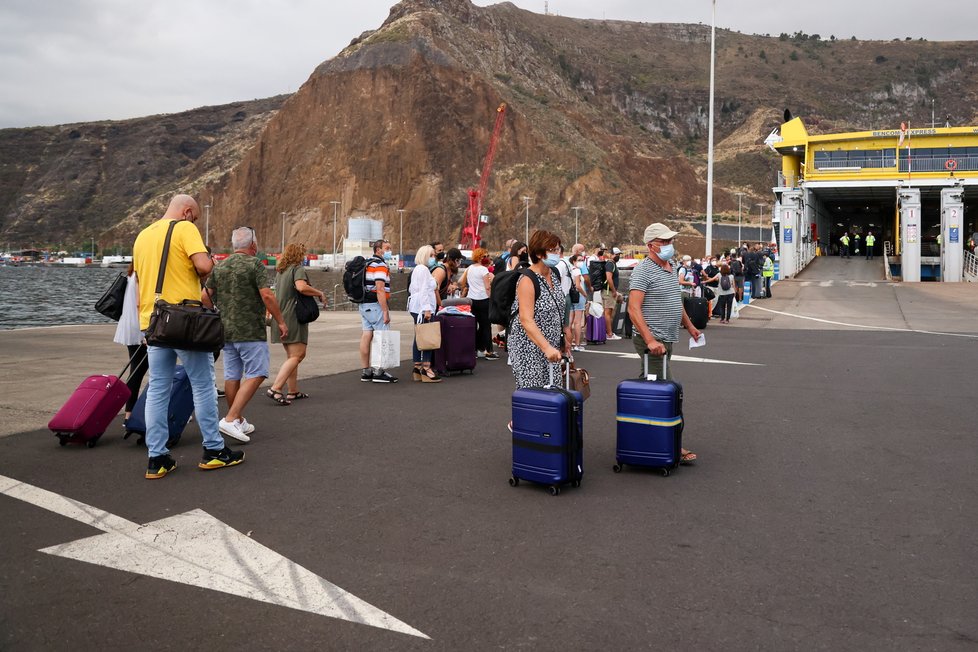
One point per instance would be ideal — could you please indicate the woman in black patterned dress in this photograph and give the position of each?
(539, 336)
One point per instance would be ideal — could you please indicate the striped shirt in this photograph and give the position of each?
(662, 307)
(377, 270)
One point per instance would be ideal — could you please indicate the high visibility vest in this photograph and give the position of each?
(870, 240)
(768, 270)
(844, 240)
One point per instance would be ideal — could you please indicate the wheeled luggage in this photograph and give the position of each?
(698, 310)
(650, 423)
(548, 435)
(178, 415)
(457, 351)
(594, 330)
(89, 410)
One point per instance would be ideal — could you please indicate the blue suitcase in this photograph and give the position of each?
(180, 410)
(650, 424)
(548, 442)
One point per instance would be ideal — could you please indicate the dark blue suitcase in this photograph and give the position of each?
(548, 441)
(650, 424)
(180, 410)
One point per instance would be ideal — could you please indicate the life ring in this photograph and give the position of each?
(951, 164)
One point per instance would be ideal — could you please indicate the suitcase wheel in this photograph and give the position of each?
(665, 472)
(513, 482)
(617, 468)
(575, 483)
(62, 440)
(91, 443)
(554, 490)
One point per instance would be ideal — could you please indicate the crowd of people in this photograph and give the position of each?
(547, 320)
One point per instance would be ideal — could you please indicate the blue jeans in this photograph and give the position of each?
(200, 371)
(420, 357)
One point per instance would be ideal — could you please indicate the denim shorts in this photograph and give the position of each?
(372, 317)
(244, 360)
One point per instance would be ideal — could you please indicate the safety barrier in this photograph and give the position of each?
(970, 267)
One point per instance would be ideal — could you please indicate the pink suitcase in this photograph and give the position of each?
(89, 410)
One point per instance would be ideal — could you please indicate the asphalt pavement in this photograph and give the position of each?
(832, 506)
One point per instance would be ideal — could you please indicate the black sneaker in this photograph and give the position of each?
(383, 377)
(219, 459)
(367, 376)
(159, 466)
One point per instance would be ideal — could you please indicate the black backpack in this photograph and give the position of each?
(725, 282)
(354, 279)
(595, 272)
(736, 268)
(503, 293)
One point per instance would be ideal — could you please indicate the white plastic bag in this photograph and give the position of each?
(735, 311)
(385, 349)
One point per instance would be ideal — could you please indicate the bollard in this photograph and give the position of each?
(746, 293)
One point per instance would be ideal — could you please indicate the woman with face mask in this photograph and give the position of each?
(518, 256)
(422, 304)
(475, 285)
(540, 335)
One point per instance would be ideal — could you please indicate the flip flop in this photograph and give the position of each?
(295, 396)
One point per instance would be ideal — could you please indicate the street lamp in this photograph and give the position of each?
(207, 224)
(526, 200)
(282, 250)
(709, 165)
(577, 221)
(400, 246)
(93, 248)
(760, 221)
(740, 206)
(335, 206)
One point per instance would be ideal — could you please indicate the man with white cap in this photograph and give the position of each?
(655, 306)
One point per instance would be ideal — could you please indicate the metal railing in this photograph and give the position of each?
(970, 267)
(887, 252)
(789, 180)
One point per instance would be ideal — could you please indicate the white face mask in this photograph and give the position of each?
(666, 252)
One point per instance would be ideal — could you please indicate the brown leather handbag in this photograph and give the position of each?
(580, 380)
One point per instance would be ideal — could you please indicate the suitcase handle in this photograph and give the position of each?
(564, 364)
(665, 365)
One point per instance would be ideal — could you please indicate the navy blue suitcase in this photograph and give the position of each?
(548, 441)
(180, 410)
(650, 424)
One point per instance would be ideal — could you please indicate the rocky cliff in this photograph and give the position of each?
(607, 115)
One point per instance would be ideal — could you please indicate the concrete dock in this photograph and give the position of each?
(832, 505)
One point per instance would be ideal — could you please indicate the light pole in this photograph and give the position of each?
(335, 207)
(760, 221)
(282, 250)
(207, 224)
(740, 206)
(577, 221)
(93, 248)
(709, 165)
(400, 245)
(526, 200)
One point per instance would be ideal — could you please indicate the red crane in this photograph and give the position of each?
(473, 215)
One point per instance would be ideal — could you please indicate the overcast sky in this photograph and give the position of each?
(81, 60)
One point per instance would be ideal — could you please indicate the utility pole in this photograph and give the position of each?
(335, 206)
(709, 164)
(282, 250)
(740, 206)
(760, 221)
(526, 200)
(577, 221)
(400, 245)
(207, 224)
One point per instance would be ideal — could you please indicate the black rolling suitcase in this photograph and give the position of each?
(698, 310)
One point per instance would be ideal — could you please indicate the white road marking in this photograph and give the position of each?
(676, 358)
(197, 549)
(871, 328)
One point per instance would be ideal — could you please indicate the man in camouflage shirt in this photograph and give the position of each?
(239, 287)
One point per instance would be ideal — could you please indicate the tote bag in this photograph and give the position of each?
(427, 336)
(385, 349)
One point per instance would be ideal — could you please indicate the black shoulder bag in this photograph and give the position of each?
(187, 325)
(306, 308)
(110, 304)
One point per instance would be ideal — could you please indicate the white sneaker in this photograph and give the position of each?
(246, 427)
(614, 337)
(233, 430)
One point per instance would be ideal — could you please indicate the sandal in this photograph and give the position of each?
(416, 374)
(295, 396)
(277, 396)
(688, 457)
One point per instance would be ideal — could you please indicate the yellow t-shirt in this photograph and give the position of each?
(181, 280)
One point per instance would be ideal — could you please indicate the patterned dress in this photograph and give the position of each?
(530, 367)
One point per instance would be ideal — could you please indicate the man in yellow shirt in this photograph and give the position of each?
(188, 264)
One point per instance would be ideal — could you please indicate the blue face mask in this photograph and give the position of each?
(666, 252)
(388, 255)
(432, 262)
(552, 259)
